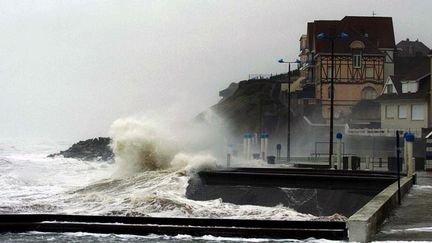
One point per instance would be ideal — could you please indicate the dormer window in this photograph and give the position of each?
(357, 58)
(389, 89)
(357, 48)
(409, 86)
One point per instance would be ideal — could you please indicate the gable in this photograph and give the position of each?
(389, 87)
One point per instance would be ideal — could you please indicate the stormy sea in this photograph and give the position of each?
(147, 177)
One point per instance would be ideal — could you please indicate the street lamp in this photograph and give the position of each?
(332, 37)
(289, 106)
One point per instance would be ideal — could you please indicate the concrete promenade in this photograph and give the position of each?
(413, 219)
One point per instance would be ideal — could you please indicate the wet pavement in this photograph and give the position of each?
(413, 219)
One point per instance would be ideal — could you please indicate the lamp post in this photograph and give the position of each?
(289, 107)
(332, 37)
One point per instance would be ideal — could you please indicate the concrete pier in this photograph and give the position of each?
(413, 219)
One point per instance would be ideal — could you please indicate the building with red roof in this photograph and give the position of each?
(363, 60)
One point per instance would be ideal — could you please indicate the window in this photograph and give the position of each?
(403, 112)
(390, 111)
(417, 112)
(329, 92)
(368, 93)
(389, 89)
(389, 56)
(357, 56)
(409, 87)
(412, 87)
(329, 72)
(369, 72)
(404, 87)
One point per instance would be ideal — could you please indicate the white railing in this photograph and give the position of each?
(260, 76)
(381, 132)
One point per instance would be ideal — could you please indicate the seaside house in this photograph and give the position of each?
(363, 61)
(407, 48)
(405, 97)
(404, 104)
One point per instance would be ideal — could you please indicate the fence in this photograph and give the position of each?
(260, 76)
(383, 132)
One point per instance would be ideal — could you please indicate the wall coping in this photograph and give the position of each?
(364, 224)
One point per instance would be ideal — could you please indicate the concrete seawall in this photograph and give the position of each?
(245, 228)
(317, 192)
(364, 224)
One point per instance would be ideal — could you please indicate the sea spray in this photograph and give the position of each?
(140, 146)
(151, 144)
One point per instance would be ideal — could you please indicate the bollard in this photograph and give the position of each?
(349, 162)
(409, 139)
(245, 138)
(380, 162)
(333, 164)
(339, 150)
(264, 145)
(229, 154)
(405, 159)
(368, 159)
(248, 143)
(278, 151)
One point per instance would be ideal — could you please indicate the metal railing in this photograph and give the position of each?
(260, 76)
(381, 132)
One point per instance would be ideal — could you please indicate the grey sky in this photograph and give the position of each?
(70, 68)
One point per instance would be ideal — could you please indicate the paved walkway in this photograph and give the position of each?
(413, 219)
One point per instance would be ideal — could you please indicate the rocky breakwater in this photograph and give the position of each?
(90, 149)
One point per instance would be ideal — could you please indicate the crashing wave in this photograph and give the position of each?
(145, 145)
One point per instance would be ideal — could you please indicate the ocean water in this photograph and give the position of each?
(31, 182)
(86, 237)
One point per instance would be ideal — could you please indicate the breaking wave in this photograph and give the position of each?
(145, 146)
(140, 146)
(153, 163)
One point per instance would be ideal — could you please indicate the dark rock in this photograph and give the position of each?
(90, 149)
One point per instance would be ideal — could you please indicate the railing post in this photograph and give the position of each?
(398, 165)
